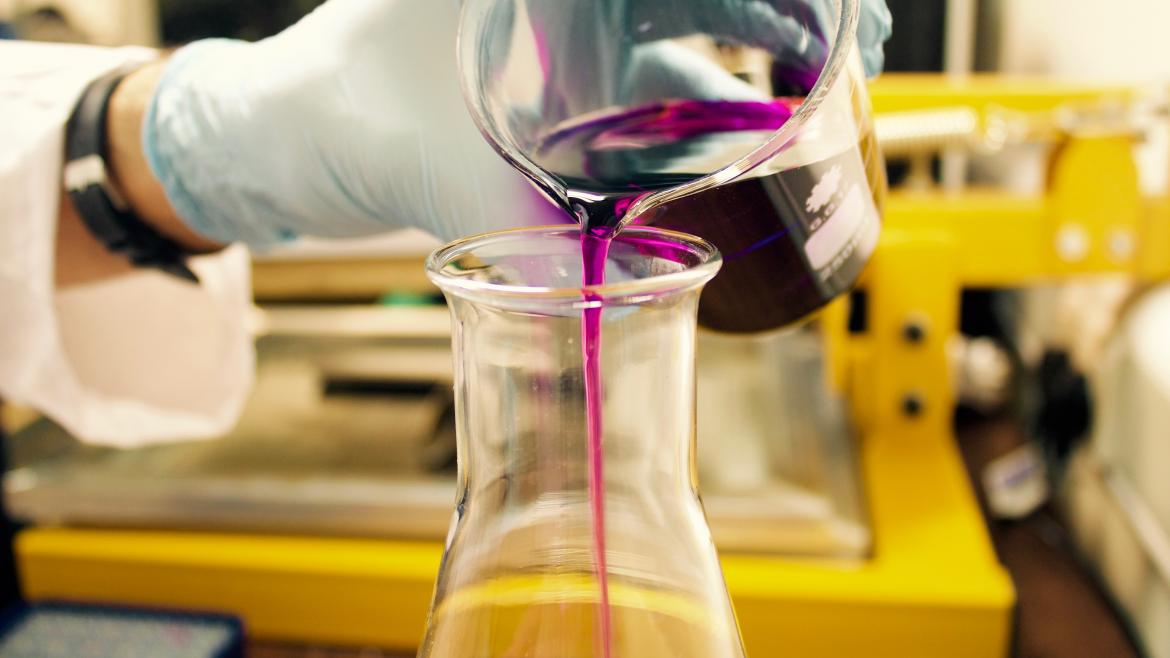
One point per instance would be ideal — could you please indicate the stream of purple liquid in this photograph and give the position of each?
(594, 252)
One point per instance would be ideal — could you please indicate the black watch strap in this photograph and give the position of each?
(87, 183)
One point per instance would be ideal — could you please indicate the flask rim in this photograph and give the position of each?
(704, 262)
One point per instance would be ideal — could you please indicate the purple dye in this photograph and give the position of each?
(594, 252)
(791, 241)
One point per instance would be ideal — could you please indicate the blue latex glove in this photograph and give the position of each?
(874, 28)
(349, 123)
(352, 123)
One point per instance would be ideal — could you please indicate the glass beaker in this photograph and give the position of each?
(524, 573)
(745, 123)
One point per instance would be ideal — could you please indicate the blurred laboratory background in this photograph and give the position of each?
(967, 456)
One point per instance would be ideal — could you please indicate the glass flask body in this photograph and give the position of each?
(533, 565)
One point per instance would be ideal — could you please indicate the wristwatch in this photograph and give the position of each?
(101, 207)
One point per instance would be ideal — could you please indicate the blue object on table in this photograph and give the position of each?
(60, 630)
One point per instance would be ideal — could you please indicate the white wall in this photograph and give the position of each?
(104, 22)
(1116, 40)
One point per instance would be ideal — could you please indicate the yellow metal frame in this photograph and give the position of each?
(911, 92)
(933, 586)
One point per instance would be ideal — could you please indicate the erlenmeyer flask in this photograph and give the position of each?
(744, 122)
(521, 575)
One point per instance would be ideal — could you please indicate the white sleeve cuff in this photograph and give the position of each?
(136, 360)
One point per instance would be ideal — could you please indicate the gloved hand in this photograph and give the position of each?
(874, 28)
(351, 123)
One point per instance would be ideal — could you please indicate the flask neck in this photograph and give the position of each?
(520, 395)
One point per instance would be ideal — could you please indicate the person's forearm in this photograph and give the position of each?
(81, 258)
(128, 167)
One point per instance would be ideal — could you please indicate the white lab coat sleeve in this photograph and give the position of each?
(135, 360)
